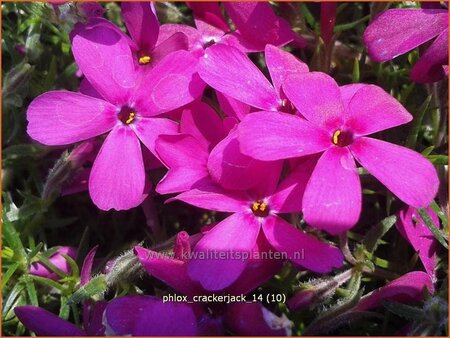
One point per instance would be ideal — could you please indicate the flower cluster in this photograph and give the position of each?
(262, 149)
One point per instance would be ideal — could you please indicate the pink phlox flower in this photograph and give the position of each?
(256, 26)
(405, 289)
(127, 110)
(398, 31)
(412, 227)
(243, 81)
(144, 28)
(337, 120)
(197, 153)
(255, 212)
(172, 270)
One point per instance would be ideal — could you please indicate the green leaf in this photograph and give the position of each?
(443, 217)
(96, 286)
(48, 282)
(411, 140)
(429, 223)
(356, 74)
(371, 240)
(347, 26)
(31, 290)
(427, 151)
(7, 275)
(438, 159)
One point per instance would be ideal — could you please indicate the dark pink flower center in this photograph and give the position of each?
(126, 115)
(260, 208)
(286, 106)
(342, 138)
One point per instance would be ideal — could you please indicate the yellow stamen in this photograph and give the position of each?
(262, 206)
(130, 118)
(255, 206)
(336, 136)
(143, 60)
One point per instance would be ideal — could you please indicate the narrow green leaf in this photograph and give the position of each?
(75, 271)
(411, 140)
(7, 275)
(31, 290)
(347, 26)
(438, 159)
(48, 282)
(427, 151)
(429, 223)
(375, 233)
(356, 74)
(443, 217)
(308, 15)
(96, 286)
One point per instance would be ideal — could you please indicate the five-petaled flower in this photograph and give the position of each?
(337, 120)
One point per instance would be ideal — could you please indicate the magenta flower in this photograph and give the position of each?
(174, 270)
(254, 213)
(337, 122)
(256, 26)
(398, 31)
(243, 81)
(412, 227)
(407, 288)
(128, 111)
(148, 316)
(143, 26)
(198, 153)
(240, 318)
(39, 269)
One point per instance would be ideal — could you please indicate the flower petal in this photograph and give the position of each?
(186, 160)
(253, 319)
(232, 107)
(193, 35)
(242, 81)
(172, 83)
(281, 64)
(177, 41)
(170, 271)
(420, 237)
(410, 176)
(274, 136)
(148, 130)
(289, 195)
(317, 97)
(407, 288)
(332, 199)
(104, 56)
(222, 254)
(371, 109)
(259, 268)
(202, 122)
(148, 316)
(62, 117)
(208, 195)
(209, 12)
(304, 250)
(45, 323)
(233, 170)
(429, 68)
(142, 24)
(395, 32)
(86, 269)
(257, 22)
(117, 178)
